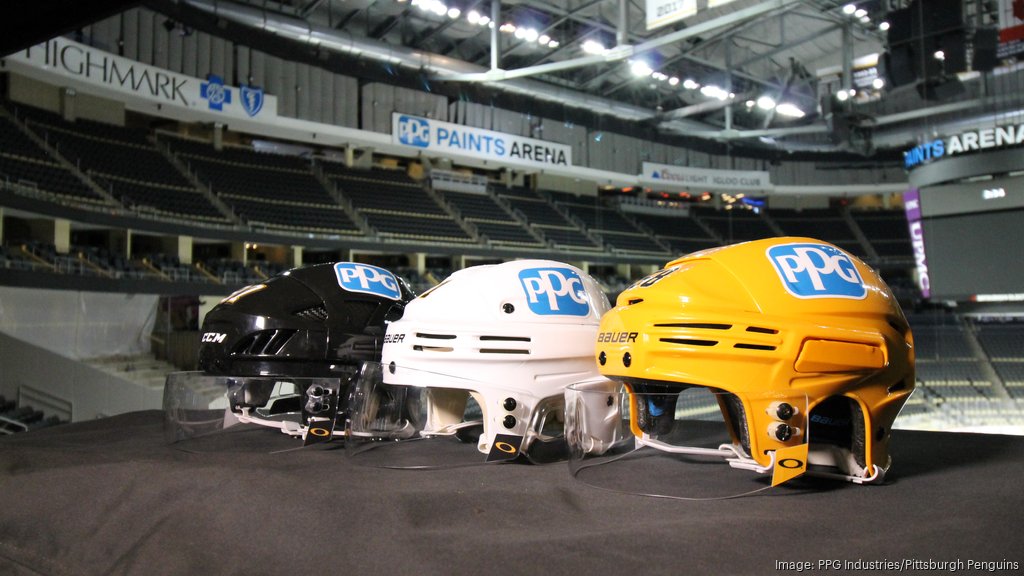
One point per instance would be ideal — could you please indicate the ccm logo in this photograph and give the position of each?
(213, 337)
(614, 337)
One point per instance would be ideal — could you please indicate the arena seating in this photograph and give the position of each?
(25, 164)
(886, 230)
(15, 418)
(124, 163)
(734, 225)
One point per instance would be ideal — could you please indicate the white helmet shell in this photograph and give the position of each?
(513, 335)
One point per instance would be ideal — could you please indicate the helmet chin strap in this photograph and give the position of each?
(286, 426)
(736, 458)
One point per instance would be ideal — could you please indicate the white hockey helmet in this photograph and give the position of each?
(508, 338)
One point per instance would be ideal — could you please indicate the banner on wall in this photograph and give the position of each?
(912, 206)
(705, 178)
(450, 138)
(661, 12)
(81, 64)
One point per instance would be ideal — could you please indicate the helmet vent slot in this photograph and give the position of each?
(315, 313)
(635, 301)
(901, 385)
(421, 348)
(505, 338)
(435, 336)
(699, 325)
(264, 343)
(746, 346)
(503, 351)
(690, 341)
(760, 330)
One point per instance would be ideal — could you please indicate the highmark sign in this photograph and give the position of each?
(975, 140)
(449, 138)
(705, 178)
(65, 60)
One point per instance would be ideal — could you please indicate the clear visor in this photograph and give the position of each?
(656, 441)
(445, 426)
(198, 405)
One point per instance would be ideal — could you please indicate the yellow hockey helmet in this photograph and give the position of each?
(801, 342)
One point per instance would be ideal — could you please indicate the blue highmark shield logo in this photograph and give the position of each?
(252, 99)
(554, 291)
(413, 131)
(215, 92)
(817, 271)
(367, 279)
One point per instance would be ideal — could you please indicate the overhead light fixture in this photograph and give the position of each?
(940, 55)
(454, 13)
(712, 91)
(883, 26)
(849, 9)
(860, 13)
(473, 17)
(842, 95)
(543, 39)
(508, 28)
(640, 68)
(553, 44)
(878, 83)
(673, 81)
(690, 84)
(531, 35)
(766, 103)
(594, 47)
(790, 110)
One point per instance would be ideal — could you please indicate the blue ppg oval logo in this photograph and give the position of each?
(817, 271)
(367, 279)
(551, 291)
(413, 131)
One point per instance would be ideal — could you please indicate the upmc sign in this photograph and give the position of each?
(912, 205)
(458, 139)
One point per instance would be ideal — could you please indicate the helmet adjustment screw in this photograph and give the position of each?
(392, 367)
(508, 308)
(627, 359)
(781, 432)
(781, 410)
(509, 404)
(602, 358)
(509, 422)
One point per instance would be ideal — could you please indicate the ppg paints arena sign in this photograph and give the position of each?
(451, 138)
(988, 138)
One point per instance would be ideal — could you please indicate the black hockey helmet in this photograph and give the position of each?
(316, 321)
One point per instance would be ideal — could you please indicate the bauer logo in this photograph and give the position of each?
(367, 279)
(414, 131)
(817, 271)
(551, 291)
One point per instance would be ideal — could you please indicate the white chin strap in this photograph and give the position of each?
(736, 458)
(285, 426)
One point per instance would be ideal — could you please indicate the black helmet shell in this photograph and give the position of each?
(316, 321)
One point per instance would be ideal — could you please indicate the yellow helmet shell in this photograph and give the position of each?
(780, 320)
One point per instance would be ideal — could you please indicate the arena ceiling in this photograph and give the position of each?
(721, 74)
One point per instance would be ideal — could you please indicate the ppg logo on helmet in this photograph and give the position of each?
(367, 279)
(817, 271)
(551, 291)
(413, 131)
